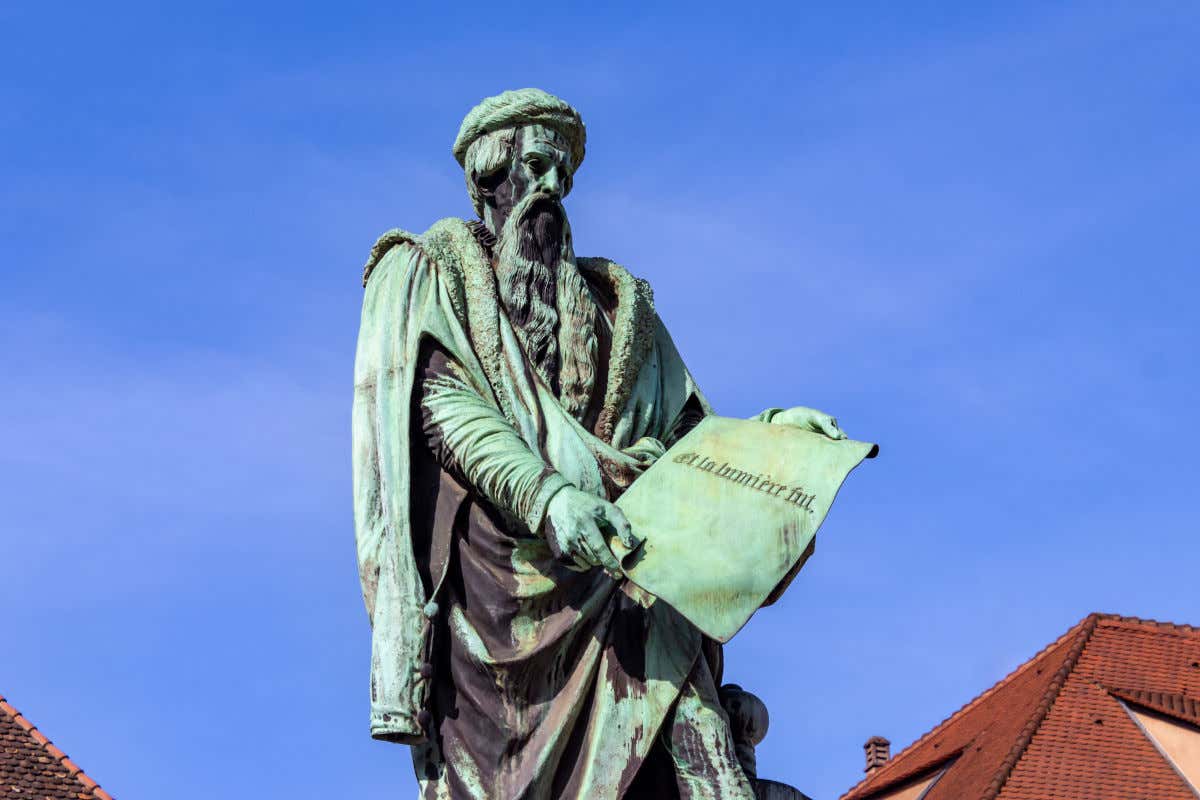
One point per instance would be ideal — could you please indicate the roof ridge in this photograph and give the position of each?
(1084, 635)
(979, 698)
(74, 770)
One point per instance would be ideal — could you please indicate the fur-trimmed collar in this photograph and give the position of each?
(455, 248)
(633, 336)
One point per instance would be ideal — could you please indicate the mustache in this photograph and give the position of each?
(538, 203)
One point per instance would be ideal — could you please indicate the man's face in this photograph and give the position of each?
(541, 165)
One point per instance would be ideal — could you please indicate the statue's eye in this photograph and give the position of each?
(536, 164)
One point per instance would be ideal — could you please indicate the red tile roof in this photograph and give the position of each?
(1176, 705)
(1056, 729)
(32, 768)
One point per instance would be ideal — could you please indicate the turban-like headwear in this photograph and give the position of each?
(522, 107)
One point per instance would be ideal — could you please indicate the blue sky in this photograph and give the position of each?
(968, 230)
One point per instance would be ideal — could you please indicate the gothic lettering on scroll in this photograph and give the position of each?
(796, 495)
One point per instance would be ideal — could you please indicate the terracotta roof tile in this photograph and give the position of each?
(1175, 705)
(32, 767)
(1054, 729)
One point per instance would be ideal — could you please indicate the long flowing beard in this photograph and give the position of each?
(548, 301)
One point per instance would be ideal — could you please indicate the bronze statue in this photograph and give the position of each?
(506, 393)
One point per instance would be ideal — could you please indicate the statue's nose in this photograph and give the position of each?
(549, 182)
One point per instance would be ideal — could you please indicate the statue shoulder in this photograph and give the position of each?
(611, 278)
(444, 245)
(389, 241)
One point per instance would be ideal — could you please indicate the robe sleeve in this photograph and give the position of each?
(472, 439)
(692, 413)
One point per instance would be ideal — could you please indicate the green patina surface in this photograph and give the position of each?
(492, 488)
(729, 512)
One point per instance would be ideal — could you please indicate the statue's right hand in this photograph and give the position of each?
(574, 522)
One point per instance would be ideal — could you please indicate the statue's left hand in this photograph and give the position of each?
(647, 450)
(809, 419)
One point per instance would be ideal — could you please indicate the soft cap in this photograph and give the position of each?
(522, 107)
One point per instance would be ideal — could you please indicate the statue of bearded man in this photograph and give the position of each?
(506, 393)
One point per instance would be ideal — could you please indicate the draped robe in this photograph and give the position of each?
(509, 673)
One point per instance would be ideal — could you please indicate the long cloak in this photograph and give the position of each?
(474, 620)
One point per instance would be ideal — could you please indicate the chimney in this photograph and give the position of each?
(878, 750)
